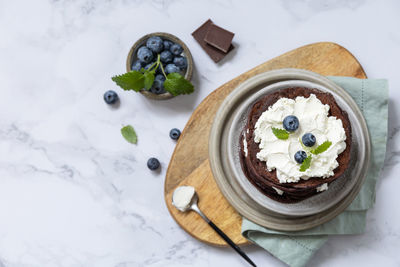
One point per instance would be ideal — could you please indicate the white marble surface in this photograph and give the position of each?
(74, 193)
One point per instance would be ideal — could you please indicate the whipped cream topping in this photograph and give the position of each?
(245, 150)
(322, 187)
(313, 117)
(278, 191)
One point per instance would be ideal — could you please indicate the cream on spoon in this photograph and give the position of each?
(185, 198)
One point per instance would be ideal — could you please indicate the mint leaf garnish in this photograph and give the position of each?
(280, 133)
(306, 164)
(148, 79)
(129, 134)
(321, 148)
(177, 85)
(132, 80)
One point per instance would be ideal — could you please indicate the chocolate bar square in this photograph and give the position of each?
(199, 35)
(219, 37)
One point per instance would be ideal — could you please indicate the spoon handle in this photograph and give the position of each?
(231, 243)
(195, 208)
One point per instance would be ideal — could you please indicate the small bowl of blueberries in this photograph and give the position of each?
(174, 56)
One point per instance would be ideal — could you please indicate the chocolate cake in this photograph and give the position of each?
(267, 181)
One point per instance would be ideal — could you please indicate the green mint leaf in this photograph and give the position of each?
(280, 133)
(176, 84)
(132, 80)
(148, 79)
(129, 134)
(321, 148)
(306, 164)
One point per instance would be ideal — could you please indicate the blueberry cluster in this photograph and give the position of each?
(171, 59)
(291, 124)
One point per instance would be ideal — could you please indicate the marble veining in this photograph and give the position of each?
(74, 193)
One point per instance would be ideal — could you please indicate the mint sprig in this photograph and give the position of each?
(129, 134)
(177, 85)
(148, 80)
(306, 164)
(133, 80)
(280, 133)
(321, 148)
(174, 83)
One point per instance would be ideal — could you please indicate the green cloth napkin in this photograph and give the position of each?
(296, 248)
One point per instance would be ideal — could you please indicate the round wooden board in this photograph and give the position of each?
(189, 163)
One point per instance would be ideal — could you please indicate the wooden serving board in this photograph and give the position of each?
(189, 163)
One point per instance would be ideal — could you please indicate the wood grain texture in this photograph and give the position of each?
(189, 163)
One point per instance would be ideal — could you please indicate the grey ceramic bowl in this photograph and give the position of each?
(242, 195)
(165, 36)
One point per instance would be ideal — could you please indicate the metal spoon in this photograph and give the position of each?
(193, 206)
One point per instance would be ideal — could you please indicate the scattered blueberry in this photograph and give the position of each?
(160, 77)
(153, 164)
(180, 62)
(166, 56)
(174, 134)
(291, 123)
(144, 55)
(300, 156)
(158, 87)
(176, 49)
(170, 68)
(155, 44)
(137, 65)
(308, 139)
(167, 44)
(110, 97)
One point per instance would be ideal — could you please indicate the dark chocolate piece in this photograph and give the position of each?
(199, 34)
(219, 37)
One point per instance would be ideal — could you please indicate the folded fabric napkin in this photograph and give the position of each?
(296, 248)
